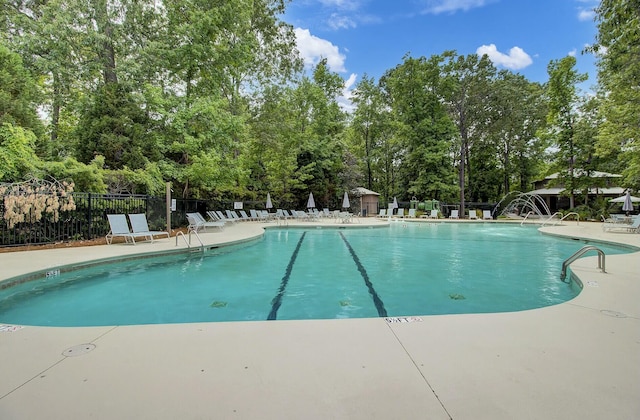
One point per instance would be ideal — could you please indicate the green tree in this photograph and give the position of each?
(425, 130)
(18, 160)
(18, 94)
(516, 112)
(562, 114)
(466, 94)
(368, 125)
(114, 126)
(618, 48)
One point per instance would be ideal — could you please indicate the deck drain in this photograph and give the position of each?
(78, 350)
(614, 314)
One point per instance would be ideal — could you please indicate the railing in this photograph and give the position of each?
(550, 217)
(188, 242)
(525, 217)
(578, 254)
(569, 214)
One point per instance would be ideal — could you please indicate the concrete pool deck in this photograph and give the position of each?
(576, 360)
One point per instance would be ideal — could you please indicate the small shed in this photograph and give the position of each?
(368, 201)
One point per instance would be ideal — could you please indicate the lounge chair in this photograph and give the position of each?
(224, 218)
(383, 213)
(139, 225)
(412, 213)
(197, 222)
(486, 215)
(257, 216)
(244, 216)
(120, 228)
(454, 214)
(300, 215)
(232, 215)
(473, 215)
(633, 227)
(433, 214)
(213, 217)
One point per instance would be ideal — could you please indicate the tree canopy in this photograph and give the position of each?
(125, 95)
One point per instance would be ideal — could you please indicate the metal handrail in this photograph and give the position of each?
(578, 254)
(550, 217)
(569, 214)
(525, 217)
(180, 233)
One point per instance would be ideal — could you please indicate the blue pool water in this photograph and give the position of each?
(404, 270)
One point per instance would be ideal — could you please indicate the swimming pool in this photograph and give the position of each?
(404, 270)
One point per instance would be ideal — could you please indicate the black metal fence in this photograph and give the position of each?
(89, 219)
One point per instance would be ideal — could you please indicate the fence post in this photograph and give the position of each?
(89, 234)
(168, 204)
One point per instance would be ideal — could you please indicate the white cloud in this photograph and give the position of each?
(586, 14)
(516, 59)
(342, 4)
(443, 6)
(337, 21)
(573, 52)
(313, 49)
(344, 100)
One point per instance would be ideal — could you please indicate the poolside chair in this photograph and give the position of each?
(197, 222)
(383, 213)
(213, 217)
(486, 215)
(257, 216)
(244, 216)
(120, 228)
(473, 215)
(412, 213)
(633, 227)
(224, 218)
(232, 215)
(139, 225)
(454, 214)
(433, 214)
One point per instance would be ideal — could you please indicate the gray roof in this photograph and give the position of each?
(593, 174)
(363, 191)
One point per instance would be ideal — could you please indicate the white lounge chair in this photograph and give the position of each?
(139, 225)
(633, 227)
(244, 216)
(473, 215)
(257, 216)
(412, 213)
(232, 215)
(454, 214)
(197, 222)
(224, 218)
(433, 214)
(486, 215)
(213, 217)
(120, 228)
(383, 213)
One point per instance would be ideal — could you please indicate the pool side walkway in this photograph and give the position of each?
(576, 360)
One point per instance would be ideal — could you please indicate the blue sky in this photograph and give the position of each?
(360, 37)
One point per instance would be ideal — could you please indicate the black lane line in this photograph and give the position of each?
(277, 300)
(382, 312)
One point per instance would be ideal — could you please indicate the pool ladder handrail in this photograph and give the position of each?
(180, 233)
(563, 217)
(578, 254)
(525, 218)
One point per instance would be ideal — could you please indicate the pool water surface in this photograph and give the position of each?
(407, 269)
